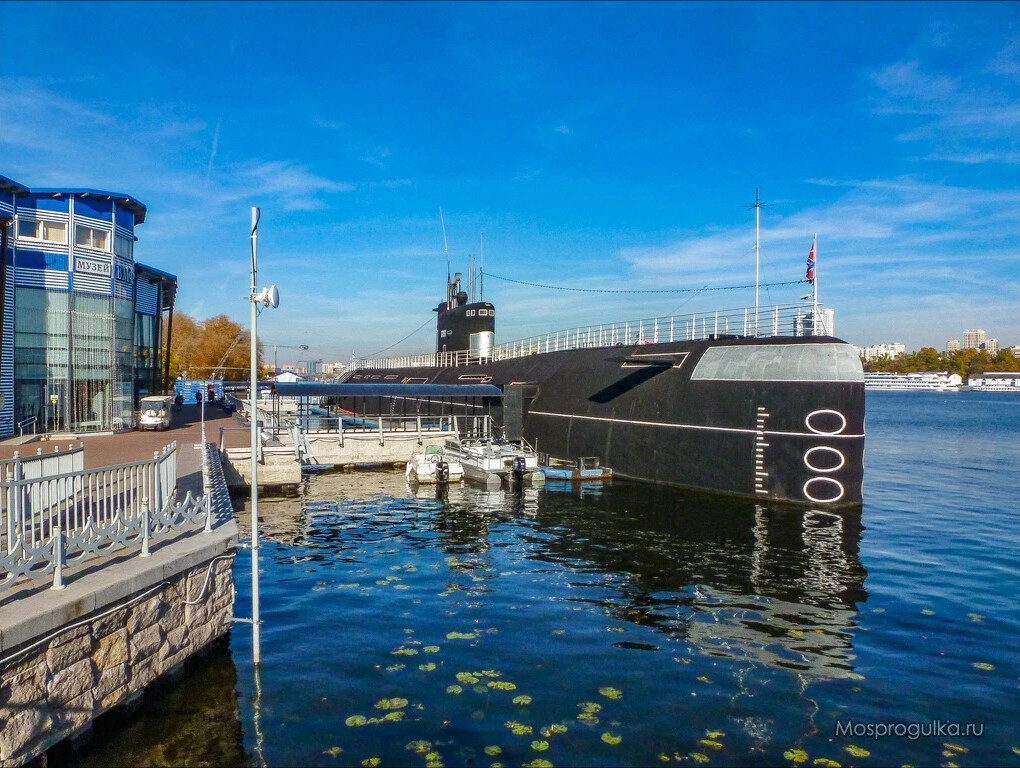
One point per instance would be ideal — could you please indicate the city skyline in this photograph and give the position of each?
(604, 147)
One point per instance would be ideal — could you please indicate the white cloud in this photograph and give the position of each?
(967, 119)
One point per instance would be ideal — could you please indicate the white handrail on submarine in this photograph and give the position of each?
(783, 320)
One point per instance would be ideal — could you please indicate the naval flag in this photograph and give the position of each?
(811, 263)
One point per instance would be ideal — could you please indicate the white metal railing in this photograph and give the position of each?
(50, 521)
(42, 464)
(775, 320)
(31, 421)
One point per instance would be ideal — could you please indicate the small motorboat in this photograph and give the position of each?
(433, 466)
(495, 462)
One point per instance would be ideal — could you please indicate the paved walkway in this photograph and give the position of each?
(186, 429)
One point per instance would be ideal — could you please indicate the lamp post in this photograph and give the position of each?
(266, 297)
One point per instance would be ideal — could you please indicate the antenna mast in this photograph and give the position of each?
(481, 270)
(446, 247)
(758, 205)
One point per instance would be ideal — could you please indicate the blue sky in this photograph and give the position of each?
(596, 145)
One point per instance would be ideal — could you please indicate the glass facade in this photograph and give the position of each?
(82, 386)
(147, 374)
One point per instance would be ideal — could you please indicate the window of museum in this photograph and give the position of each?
(90, 237)
(51, 231)
(123, 246)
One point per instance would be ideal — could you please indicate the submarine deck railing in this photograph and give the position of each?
(775, 320)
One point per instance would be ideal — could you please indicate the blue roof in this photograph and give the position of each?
(10, 185)
(133, 205)
(157, 272)
(320, 389)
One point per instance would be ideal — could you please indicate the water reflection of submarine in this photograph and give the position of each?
(778, 587)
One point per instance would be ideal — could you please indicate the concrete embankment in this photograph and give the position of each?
(122, 620)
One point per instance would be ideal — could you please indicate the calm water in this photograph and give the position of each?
(627, 624)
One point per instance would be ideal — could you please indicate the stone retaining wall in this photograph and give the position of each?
(54, 690)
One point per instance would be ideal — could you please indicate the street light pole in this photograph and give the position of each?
(253, 397)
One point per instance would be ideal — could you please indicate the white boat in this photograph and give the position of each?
(995, 381)
(912, 382)
(433, 466)
(495, 462)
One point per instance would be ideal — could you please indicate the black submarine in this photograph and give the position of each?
(776, 417)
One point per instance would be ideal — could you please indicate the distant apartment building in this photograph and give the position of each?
(973, 338)
(953, 345)
(1015, 349)
(991, 346)
(811, 324)
(334, 368)
(877, 351)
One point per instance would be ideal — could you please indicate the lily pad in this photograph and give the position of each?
(502, 685)
(553, 730)
(461, 635)
(492, 750)
(355, 721)
(710, 744)
(455, 689)
(984, 666)
(518, 729)
(540, 746)
(431, 649)
(698, 757)
(857, 751)
(333, 751)
(611, 738)
(371, 762)
(610, 693)
(795, 755)
(430, 667)
(394, 703)
(825, 762)
(714, 734)
(523, 700)
(418, 747)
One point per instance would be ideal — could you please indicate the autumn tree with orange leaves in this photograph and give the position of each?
(216, 345)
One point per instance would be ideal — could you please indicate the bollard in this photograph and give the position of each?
(145, 527)
(157, 485)
(58, 558)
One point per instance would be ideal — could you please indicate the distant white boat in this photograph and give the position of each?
(995, 381)
(913, 382)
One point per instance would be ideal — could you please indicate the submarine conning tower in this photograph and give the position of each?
(462, 326)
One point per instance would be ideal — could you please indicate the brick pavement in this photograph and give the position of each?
(104, 450)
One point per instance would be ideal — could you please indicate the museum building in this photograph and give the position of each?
(81, 320)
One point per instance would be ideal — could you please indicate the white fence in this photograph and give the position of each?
(65, 515)
(776, 320)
